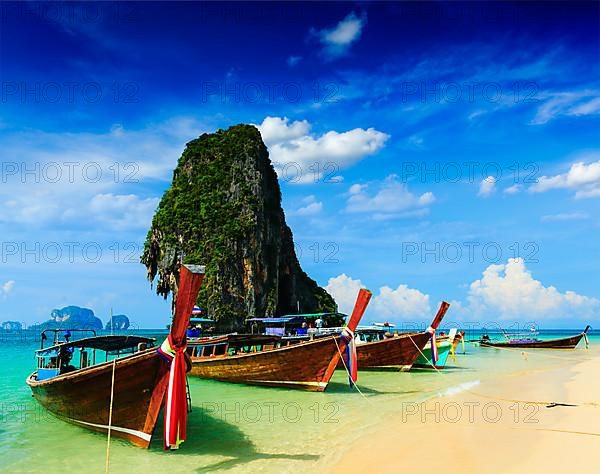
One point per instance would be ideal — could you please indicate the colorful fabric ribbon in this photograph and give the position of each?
(351, 359)
(175, 414)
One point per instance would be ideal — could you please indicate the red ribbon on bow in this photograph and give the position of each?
(173, 349)
(175, 415)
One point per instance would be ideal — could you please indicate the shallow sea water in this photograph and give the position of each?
(237, 428)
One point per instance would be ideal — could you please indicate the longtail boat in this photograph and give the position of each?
(73, 387)
(401, 349)
(535, 343)
(458, 338)
(444, 347)
(270, 361)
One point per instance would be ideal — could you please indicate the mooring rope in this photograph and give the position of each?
(347, 370)
(112, 394)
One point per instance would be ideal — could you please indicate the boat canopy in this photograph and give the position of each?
(283, 319)
(314, 315)
(103, 343)
(201, 320)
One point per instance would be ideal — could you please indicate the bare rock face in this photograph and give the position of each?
(223, 210)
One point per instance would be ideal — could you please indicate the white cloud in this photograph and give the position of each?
(310, 208)
(7, 288)
(573, 216)
(509, 291)
(302, 157)
(487, 187)
(556, 104)
(583, 178)
(277, 130)
(344, 291)
(514, 189)
(336, 41)
(401, 303)
(392, 199)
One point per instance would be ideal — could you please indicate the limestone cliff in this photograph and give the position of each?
(223, 209)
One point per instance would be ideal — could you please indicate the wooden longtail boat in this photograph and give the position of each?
(444, 347)
(401, 350)
(534, 343)
(265, 360)
(458, 338)
(82, 395)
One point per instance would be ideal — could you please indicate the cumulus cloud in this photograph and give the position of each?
(402, 303)
(391, 199)
(337, 40)
(487, 187)
(310, 208)
(309, 157)
(583, 178)
(510, 291)
(344, 290)
(7, 288)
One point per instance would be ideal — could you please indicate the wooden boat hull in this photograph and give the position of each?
(306, 366)
(562, 343)
(398, 351)
(82, 397)
(424, 360)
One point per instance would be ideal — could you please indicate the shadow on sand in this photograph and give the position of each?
(210, 435)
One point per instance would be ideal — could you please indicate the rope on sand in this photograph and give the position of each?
(112, 394)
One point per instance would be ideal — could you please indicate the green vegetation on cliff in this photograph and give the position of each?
(223, 210)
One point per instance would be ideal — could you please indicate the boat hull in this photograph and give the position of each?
(424, 360)
(562, 343)
(398, 351)
(82, 397)
(305, 366)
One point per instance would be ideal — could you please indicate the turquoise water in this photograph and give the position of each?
(236, 428)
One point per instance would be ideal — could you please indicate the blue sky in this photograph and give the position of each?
(426, 150)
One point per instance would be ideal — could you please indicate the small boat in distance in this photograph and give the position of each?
(522, 342)
(74, 386)
(444, 347)
(270, 360)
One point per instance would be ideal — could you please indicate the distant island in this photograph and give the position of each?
(70, 317)
(117, 322)
(223, 210)
(12, 326)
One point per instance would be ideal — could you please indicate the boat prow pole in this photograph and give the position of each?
(362, 301)
(347, 336)
(175, 412)
(190, 281)
(440, 315)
